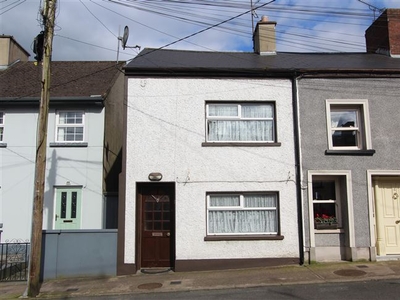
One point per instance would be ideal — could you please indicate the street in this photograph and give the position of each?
(382, 289)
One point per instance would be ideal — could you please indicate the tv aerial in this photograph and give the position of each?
(123, 40)
(373, 8)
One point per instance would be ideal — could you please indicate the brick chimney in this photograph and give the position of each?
(11, 51)
(264, 37)
(383, 36)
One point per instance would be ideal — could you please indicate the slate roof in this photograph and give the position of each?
(172, 62)
(69, 79)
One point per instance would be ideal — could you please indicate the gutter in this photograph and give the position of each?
(296, 131)
(96, 100)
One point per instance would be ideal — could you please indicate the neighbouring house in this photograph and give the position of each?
(11, 52)
(350, 148)
(209, 166)
(84, 141)
(230, 159)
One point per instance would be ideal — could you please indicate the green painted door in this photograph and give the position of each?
(68, 208)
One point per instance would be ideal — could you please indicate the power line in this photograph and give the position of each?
(97, 18)
(13, 5)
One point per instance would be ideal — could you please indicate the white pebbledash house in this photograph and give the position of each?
(209, 162)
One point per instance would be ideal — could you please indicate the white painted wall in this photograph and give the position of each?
(78, 166)
(165, 130)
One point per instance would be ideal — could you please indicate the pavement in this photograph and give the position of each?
(206, 280)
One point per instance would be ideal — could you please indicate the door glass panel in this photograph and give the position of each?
(166, 225)
(156, 212)
(148, 225)
(157, 206)
(148, 216)
(157, 216)
(63, 205)
(73, 205)
(148, 206)
(157, 225)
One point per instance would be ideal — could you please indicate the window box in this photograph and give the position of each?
(323, 225)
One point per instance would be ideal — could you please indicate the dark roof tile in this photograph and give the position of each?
(68, 79)
(152, 60)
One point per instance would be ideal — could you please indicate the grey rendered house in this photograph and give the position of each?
(350, 148)
(84, 143)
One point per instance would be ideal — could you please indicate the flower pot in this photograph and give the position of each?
(326, 225)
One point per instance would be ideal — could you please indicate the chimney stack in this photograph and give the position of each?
(383, 36)
(11, 51)
(264, 37)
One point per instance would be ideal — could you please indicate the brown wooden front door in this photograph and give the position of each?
(157, 225)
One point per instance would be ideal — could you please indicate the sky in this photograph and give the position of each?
(88, 30)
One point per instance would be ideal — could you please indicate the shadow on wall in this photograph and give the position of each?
(49, 193)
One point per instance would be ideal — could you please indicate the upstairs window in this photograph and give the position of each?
(348, 125)
(70, 126)
(1, 126)
(240, 122)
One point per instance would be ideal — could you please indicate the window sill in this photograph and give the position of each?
(59, 144)
(350, 152)
(235, 144)
(243, 238)
(3, 145)
(324, 231)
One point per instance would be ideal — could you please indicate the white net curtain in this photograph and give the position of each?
(231, 214)
(238, 122)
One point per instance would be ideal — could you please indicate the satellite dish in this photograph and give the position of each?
(125, 37)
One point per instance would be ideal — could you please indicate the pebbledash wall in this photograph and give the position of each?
(165, 132)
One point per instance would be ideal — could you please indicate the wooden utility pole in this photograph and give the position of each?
(33, 288)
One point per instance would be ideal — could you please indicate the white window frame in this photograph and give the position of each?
(363, 128)
(58, 125)
(240, 118)
(337, 201)
(348, 226)
(1, 126)
(241, 207)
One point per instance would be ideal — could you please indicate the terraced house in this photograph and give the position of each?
(235, 159)
(84, 143)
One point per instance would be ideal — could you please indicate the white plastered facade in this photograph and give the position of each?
(165, 132)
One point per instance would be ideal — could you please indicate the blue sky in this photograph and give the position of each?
(88, 29)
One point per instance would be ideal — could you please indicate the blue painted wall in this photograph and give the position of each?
(77, 253)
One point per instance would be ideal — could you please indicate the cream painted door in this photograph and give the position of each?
(387, 216)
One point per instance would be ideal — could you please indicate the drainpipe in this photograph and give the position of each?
(296, 130)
